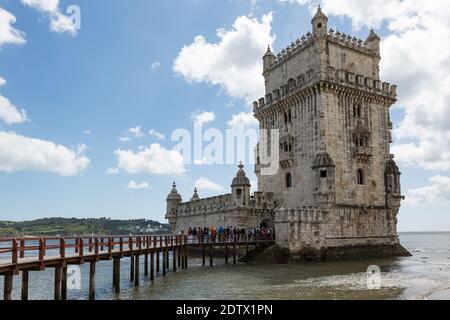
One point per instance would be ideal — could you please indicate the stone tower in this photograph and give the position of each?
(337, 183)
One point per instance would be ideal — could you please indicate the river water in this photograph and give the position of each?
(426, 275)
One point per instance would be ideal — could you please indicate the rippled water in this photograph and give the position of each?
(426, 275)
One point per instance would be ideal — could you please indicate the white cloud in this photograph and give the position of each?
(112, 171)
(155, 65)
(59, 22)
(436, 194)
(10, 114)
(234, 63)
(132, 185)
(203, 117)
(20, 153)
(87, 132)
(154, 159)
(243, 120)
(132, 133)
(8, 34)
(156, 134)
(206, 184)
(415, 56)
(136, 132)
(2, 82)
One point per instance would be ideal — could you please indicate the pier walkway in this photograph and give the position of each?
(19, 256)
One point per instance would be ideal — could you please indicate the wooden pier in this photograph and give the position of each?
(38, 254)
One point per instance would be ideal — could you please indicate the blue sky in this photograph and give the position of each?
(83, 90)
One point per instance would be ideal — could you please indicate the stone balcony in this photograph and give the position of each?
(286, 159)
(362, 154)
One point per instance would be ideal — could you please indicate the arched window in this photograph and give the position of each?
(239, 193)
(289, 180)
(285, 118)
(359, 111)
(290, 116)
(360, 177)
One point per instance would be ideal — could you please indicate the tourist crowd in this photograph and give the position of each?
(228, 234)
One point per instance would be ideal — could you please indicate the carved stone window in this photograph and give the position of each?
(360, 177)
(288, 180)
(323, 173)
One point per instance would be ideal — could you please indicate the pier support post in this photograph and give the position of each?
(58, 278)
(164, 253)
(131, 268)
(136, 270)
(226, 253)
(185, 258)
(64, 284)
(157, 261)
(211, 263)
(152, 266)
(146, 265)
(167, 259)
(234, 253)
(179, 257)
(8, 285)
(116, 274)
(204, 255)
(25, 278)
(174, 259)
(92, 280)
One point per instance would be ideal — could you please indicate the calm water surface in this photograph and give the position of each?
(426, 275)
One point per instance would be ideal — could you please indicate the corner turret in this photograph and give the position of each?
(319, 23)
(173, 201)
(268, 58)
(240, 188)
(373, 42)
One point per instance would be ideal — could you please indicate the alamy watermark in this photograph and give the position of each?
(213, 147)
(373, 278)
(74, 14)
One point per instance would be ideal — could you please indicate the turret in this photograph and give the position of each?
(268, 59)
(373, 42)
(173, 201)
(319, 23)
(240, 188)
(195, 197)
(324, 181)
(393, 188)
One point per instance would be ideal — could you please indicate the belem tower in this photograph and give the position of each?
(337, 190)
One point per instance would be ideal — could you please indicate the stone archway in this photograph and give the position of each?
(266, 223)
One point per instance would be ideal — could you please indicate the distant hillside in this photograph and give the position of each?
(73, 226)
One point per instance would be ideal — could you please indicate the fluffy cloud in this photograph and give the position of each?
(19, 153)
(437, 193)
(415, 55)
(243, 120)
(206, 184)
(234, 63)
(59, 22)
(154, 159)
(8, 34)
(10, 114)
(132, 185)
(2, 82)
(203, 117)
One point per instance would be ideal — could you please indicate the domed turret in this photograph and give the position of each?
(195, 197)
(320, 23)
(392, 176)
(373, 42)
(241, 179)
(324, 181)
(268, 58)
(323, 160)
(240, 187)
(173, 201)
